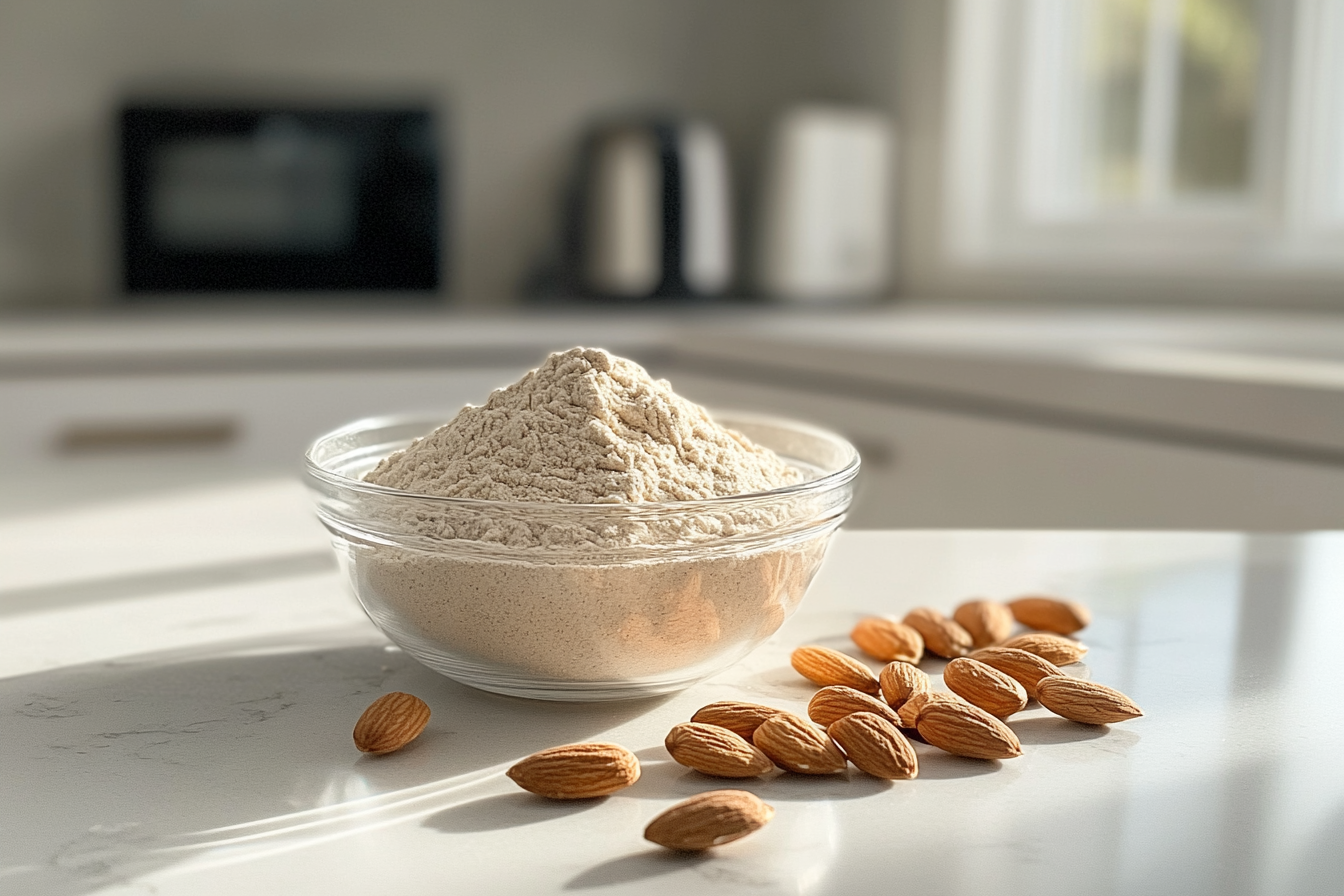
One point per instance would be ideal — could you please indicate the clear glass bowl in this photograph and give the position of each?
(579, 601)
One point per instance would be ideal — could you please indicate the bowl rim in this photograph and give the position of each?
(725, 418)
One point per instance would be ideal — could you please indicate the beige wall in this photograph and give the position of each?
(518, 78)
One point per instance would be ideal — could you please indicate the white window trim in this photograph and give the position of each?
(1285, 233)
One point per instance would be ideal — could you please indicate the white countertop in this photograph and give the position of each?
(1106, 336)
(182, 670)
(1253, 382)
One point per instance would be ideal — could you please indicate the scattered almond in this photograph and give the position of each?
(986, 687)
(901, 681)
(875, 745)
(1050, 614)
(832, 703)
(986, 621)
(795, 744)
(824, 666)
(709, 819)
(888, 640)
(390, 723)
(909, 713)
(966, 730)
(716, 751)
(1026, 668)
(1085, 701)
(1058, 650)
(577, 771)
(740, 718)
(941, 635)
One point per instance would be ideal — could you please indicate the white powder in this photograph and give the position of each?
(584, 428)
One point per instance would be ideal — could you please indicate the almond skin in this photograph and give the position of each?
(875, 746)
(1058, 650)
(577, 771)
(797, 745)
(824, 666)
(986, 687)
(709, 819)
(987, 621)
(390, 723)
(738, 717)
(1085, 701)
(1050, 614)
(901, 681)
(1026, 668)
(833, 703)
(888, 640)
(941, 635)
(716, 751)
(966, 730)
(909, 713)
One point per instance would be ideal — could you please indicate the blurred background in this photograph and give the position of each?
(1049, 263)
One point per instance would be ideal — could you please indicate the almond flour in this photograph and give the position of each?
(503, 591)
(584, 428)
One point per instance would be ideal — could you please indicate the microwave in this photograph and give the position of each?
(279, 198)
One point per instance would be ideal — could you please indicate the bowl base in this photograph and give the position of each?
(557, 690)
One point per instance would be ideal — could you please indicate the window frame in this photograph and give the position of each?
(1287, 233)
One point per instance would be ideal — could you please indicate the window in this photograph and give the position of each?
(1185, 136)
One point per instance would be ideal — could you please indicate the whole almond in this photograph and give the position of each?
(738, 717)
(577, 771)
(1085, 701)
(888, 640)
(716, 751)
(390, 723)
(875, 745)
(1058, 650)
(797, 745)
(824, 666)
(837, 701)
(909, 713)
(966, 730)
(901, 681)
(988, 688)
(987, 621)
(1026, 668)
(709, 819)
(1050, 614)
(941, 635)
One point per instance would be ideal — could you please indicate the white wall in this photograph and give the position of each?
(518, 78)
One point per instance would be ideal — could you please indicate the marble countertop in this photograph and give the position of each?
(181, 671)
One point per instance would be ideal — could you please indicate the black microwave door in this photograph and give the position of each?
(227, 200)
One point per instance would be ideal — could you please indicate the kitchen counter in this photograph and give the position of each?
(1256, 383)
(1251, 383)
(182, 670)
(966, 417)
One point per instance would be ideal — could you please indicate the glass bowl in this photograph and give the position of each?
(579, 602)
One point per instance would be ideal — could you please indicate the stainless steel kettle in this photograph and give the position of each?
(651, 212)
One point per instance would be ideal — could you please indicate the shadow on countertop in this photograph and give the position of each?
(121, 768)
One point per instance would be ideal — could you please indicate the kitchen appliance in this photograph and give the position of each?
(650, 215)
(824, 224)
(279, 197)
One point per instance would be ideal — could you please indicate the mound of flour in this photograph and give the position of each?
(584, 428)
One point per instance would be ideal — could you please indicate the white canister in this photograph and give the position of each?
(825, 220)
